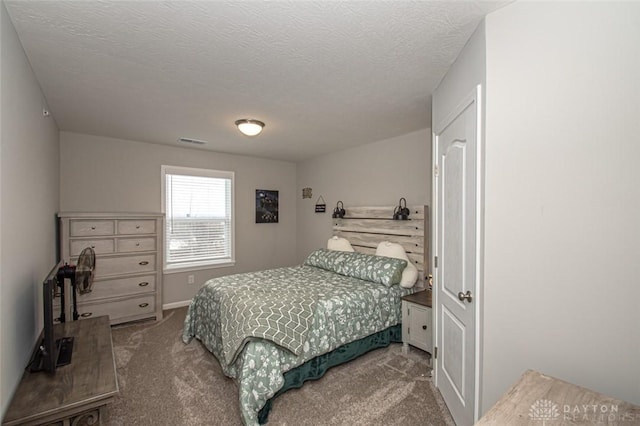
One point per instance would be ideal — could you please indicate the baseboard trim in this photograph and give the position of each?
(175, 305)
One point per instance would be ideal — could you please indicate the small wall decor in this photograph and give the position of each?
(321, 205)
(306, 193)
(266, 206)
(338, 212)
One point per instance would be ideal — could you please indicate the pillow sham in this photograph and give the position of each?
(339, 244)
(378, 269)
(395, 250)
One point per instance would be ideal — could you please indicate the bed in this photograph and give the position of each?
(272, 330)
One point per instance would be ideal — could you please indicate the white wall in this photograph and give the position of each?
(562, 235)
(375, 174)
(465, 74)
(105, 174)
(28, 203)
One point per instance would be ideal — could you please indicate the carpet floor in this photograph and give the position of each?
(165, 382)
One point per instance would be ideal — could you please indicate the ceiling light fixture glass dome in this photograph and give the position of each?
(250, 127)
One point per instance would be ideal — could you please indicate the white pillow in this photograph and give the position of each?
(339, 244)
(410, 273)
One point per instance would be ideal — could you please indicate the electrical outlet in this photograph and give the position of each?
(191, 279)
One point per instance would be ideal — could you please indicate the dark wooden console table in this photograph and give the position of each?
(77, 393)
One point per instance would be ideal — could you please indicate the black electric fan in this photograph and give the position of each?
(81, 277)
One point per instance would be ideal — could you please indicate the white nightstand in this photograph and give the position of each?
(416, 322)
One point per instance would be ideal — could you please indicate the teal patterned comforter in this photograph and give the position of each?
(346, 309)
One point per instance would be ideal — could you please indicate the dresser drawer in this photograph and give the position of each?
(106, 266)
(101, 246)
(119, 287)
(130, 245)
(87, 228)
(141, 305)
(127, 227)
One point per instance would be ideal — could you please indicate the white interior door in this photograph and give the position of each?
(456, 274)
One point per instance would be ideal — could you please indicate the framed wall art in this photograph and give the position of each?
(266, 206)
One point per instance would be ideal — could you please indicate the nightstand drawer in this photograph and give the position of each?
(417, 327)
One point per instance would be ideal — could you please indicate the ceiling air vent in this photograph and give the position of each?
(193, 141)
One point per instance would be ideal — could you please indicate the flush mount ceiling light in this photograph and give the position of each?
(250, 127)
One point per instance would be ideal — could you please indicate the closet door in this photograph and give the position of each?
(456, 251)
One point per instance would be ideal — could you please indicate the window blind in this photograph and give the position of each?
(199, 217)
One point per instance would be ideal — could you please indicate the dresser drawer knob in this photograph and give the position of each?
(137, 244)
(137, 226)
(424, 327)
(86, 314)
(143, 284)
(93, 228)
(143, 263)
(143, 305)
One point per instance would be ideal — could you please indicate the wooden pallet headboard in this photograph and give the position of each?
(366, 227)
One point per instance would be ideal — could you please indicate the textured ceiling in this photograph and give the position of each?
(322, 75)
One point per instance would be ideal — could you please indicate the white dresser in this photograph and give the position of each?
(128, 273)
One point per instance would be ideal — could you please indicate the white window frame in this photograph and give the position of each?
(198, 265)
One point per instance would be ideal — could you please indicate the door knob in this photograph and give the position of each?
(462, 296)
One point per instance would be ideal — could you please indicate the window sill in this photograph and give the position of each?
(177, 269)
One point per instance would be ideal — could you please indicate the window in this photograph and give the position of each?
(198, 207)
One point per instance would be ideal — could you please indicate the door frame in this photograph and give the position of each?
(474, 96)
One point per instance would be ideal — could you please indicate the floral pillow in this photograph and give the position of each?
(383, 270)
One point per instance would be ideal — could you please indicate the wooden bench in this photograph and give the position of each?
(540, 399)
